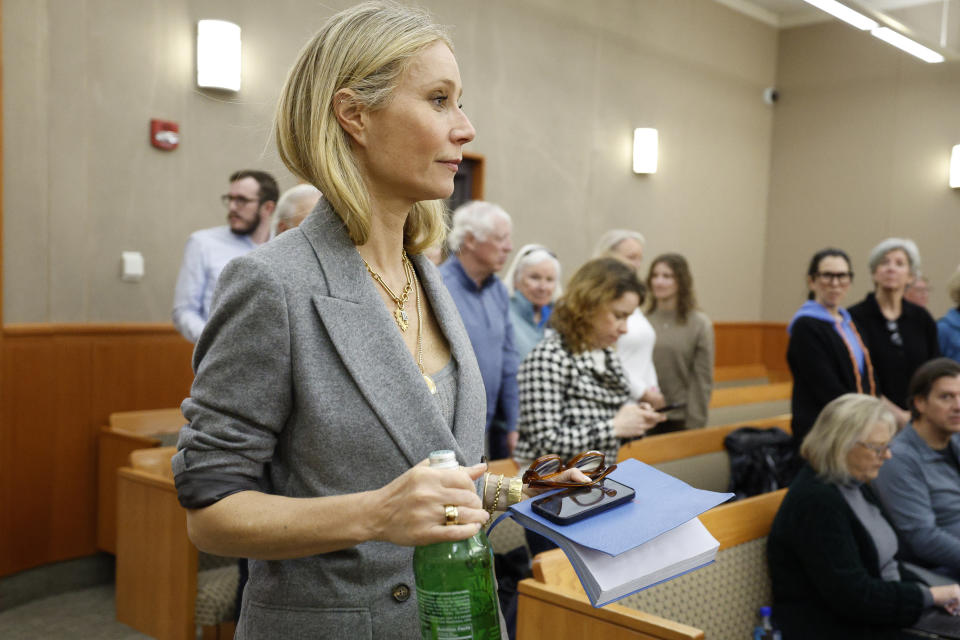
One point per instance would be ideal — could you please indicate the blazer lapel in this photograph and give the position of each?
(471, 410)
(365, 336)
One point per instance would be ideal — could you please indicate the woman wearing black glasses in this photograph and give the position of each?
(826, 353)
(901, 335)
(832, 550)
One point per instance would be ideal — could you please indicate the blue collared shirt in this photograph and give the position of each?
(207, 252)
(486, 315)
(920, 489)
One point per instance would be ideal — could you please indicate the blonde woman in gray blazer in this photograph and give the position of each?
(332, 364)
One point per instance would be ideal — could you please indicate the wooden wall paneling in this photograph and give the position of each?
(48, 480)
(140, 372)
(61, 382)
(740, 344)
(775, 339)
(736, 343)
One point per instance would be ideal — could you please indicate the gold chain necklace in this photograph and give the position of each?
(399, 314)
(431, 385)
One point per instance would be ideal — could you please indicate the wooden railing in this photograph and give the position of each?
(60, 382)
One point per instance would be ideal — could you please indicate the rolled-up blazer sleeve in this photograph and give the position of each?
(242, 394)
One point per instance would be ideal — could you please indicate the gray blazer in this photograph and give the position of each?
(304, 388)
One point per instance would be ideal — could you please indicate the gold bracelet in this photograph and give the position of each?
(496, 499)
(515, 491)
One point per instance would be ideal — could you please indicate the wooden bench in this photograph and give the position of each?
(127, 432)
(696, 456)
(160, 588)
(717, 602)
(748, 402)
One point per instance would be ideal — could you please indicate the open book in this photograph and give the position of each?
(653, 538)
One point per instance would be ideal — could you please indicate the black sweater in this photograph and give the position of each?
(894, 364)
(824, 570)
(822, 370)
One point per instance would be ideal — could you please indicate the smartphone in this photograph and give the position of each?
(578, 503)
(671, 407)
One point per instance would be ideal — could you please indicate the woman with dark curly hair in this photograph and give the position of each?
(574, 395)
(683, 354)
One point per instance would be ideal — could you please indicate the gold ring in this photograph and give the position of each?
(451, 515)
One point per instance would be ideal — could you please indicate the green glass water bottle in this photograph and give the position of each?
(456, 587)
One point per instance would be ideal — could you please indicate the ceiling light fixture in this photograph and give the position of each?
(906, 44)
(845, 13)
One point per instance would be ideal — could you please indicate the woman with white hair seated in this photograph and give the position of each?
(635, 348)
(832, 551)
(948, 327)
(900, 335)
(533, 281)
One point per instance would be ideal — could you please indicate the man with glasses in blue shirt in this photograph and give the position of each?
(920, 484)
(250, 203)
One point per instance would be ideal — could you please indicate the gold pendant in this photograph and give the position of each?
(430, 384)
(401, 317)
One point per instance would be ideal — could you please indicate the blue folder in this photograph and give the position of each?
(662, 503)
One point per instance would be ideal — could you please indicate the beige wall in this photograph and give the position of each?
(861, 151)
(554, 88)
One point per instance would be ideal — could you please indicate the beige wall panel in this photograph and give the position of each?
(26, 72)
(554, 88)
(861, 149)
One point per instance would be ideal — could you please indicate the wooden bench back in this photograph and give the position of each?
(148, 422)
(155, 461)
(693, 442)
(751, 394)
(553, 599)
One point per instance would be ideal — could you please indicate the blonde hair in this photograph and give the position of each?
(608, 242)
(843, 422)
(365, 49)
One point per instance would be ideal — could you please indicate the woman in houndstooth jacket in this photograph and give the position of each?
(574, 395)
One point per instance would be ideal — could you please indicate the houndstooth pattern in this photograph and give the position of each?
(567, 404)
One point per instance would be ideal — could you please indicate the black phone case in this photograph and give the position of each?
(586, 513)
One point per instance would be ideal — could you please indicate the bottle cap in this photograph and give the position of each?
(443, 459)
(765, 611)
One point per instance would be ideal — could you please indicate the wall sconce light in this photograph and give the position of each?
(955, 167)
(644, 150)
(218, 55)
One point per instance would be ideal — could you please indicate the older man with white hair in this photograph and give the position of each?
(294, 205)
(479, 244)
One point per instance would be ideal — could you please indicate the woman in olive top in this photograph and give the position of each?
(900, 335)
(683, 352)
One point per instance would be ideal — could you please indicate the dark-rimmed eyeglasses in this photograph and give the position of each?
(544, 469)
(241, 201)
(879, 449)
(842, 277)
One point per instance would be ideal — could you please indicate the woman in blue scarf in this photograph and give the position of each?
(533, 281)
(826, 354)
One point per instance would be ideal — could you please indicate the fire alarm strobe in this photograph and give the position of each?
(164, 134)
